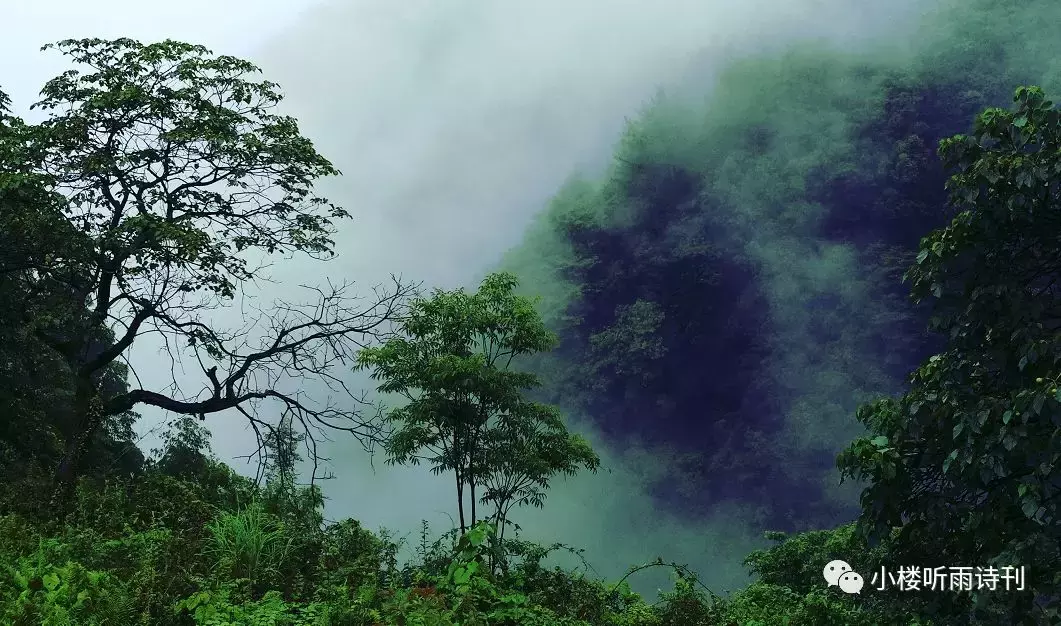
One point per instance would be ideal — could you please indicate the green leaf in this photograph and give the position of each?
(950, 460)
(1030, 505)
(51, 581)
(981, 417)
(462, 575)
(879, 441)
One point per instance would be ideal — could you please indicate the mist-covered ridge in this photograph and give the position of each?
(730, 290)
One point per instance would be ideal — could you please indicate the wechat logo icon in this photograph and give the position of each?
(840, 574)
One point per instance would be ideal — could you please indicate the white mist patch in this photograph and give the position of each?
(453, 122)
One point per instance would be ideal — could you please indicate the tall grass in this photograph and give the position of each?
(250, 544)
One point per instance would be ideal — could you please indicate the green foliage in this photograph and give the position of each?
(134, 572)
(282, 456)
(350, 556)
(199, 120)
(769, 604)
(36, 240)
(789, 574)
(466, 408)
(185, 449)
(968, 462)
(248, 545)
(40, 591)
(632, 346)
(217, 608)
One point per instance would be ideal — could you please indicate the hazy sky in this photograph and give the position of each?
(227, 26)
(453, 122)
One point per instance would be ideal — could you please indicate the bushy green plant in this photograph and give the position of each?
(38, 591)
(249, 544)
(218, 608)
(350, 555)
(764, 605)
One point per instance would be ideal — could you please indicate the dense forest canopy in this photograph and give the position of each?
(836, 261)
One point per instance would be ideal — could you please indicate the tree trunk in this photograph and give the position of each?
(460, 499)
(471, 486)
(88, 417)
(458, 470)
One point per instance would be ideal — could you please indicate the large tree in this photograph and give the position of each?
(967, 464)
(177, 179)
(467, 409)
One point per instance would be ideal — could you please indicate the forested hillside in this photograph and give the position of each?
(730, 291)
(836, 261)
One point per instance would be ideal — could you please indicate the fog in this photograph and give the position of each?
(453, 123)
